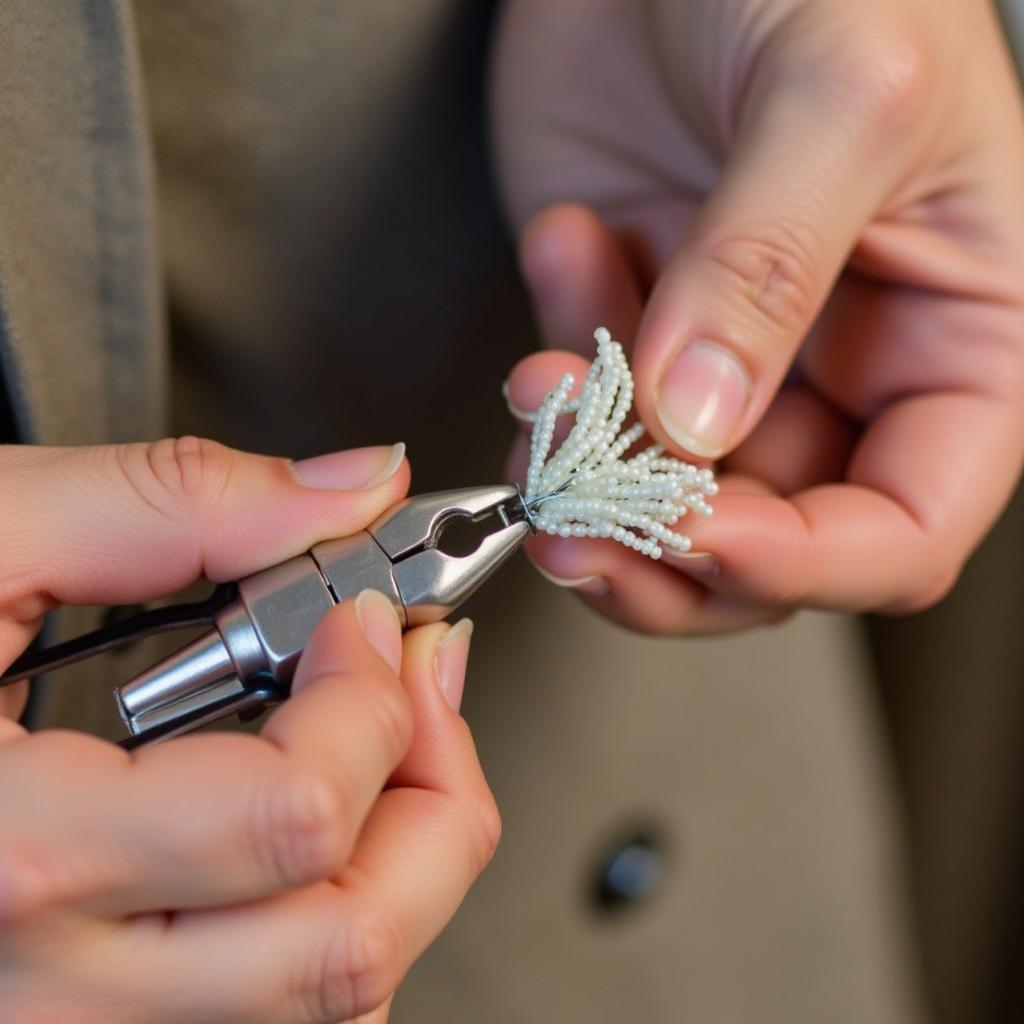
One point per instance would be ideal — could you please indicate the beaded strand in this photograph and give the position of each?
(588, 488)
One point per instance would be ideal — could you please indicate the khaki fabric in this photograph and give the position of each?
(81, 345)
(336, 273)
(954, 682)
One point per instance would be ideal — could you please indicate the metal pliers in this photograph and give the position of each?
(427, 554)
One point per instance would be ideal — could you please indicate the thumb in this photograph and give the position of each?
(812, 162)
(126, 523)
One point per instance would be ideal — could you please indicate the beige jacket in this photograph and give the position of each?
(330, 269)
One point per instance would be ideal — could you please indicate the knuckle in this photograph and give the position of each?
(297, 829)
(191, 467)
(772, 272)
(358, 968)
(884, 76)
(178, 475)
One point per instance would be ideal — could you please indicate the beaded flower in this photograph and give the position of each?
(589, 487)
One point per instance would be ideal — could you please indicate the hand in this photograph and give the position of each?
(290, 876)
(810, 216)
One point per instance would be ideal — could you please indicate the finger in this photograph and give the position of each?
(347, 685)
(332, 952)
(127, 523)
(640, 594)
(925, 482)
(813, 160)
(533, 377)
(211, 820)
(801, 441)
(579, 278)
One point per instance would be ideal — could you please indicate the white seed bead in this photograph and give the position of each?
(586, 488)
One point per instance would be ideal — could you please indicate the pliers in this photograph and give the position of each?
(428, 554)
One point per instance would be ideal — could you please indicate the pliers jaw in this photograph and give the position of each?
(431, 576)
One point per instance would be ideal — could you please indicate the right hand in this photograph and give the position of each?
(290, 876)
(808, 216)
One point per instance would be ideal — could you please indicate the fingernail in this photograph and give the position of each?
(450, 658)
(520, 414)
(358, 469)
(701, 398)
(594, 586)
(380, 625)
(702, 565)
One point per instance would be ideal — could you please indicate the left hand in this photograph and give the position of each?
(810, 216)
(290, 877)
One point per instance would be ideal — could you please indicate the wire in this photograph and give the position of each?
(149, 623)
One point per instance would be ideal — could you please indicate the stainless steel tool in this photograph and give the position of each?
(428, 554)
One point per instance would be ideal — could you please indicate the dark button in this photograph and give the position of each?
(630, 871)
